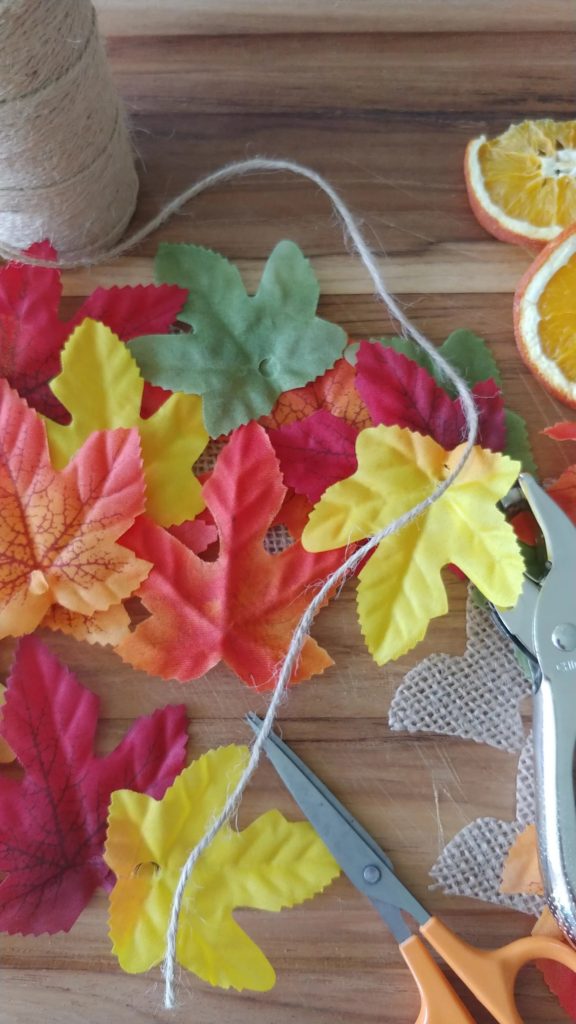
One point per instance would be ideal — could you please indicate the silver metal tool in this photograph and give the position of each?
(543, 625)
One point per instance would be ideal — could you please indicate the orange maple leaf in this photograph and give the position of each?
(241, 608)
(101, 627)
(521, 868)
(334, 390)
(58, 530)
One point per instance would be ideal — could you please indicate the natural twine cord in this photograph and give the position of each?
(66, 160)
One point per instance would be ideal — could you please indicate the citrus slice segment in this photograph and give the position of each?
(522, 184)
(545, 317)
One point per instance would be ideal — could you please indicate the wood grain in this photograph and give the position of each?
(381, 97)
(260, 17)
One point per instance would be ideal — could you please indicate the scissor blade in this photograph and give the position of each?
(349, 843)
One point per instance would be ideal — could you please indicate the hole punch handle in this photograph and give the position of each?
(554, 745)
(439, 1002)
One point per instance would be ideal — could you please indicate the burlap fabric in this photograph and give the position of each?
(475, 697)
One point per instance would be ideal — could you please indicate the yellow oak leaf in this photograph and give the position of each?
(401, 586)
(273, 863)
(101, 387)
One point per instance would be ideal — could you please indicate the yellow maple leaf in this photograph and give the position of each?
(273, 863)
(101, 387)
(401, 586)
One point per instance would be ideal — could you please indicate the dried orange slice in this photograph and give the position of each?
(522, 184)
(545, 317)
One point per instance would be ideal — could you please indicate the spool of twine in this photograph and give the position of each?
(66, 161)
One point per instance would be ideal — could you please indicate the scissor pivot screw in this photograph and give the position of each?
(564, 636)
(371, 874)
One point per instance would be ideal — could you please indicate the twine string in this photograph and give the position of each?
(66, 159)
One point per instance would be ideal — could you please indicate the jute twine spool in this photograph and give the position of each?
(66, 161)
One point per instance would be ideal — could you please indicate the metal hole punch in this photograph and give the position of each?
(543, 625)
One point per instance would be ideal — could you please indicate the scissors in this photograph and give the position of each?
(489, 974)
(543, 625)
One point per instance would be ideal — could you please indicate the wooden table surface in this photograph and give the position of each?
(380, 96)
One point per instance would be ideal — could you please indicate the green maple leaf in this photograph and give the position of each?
(243, 351)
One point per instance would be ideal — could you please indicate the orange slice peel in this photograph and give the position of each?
(545, 317)
(522, 184)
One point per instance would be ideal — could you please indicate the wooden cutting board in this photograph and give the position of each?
(381, 97)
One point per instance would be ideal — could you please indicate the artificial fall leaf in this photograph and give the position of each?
(522, 869)
(518, 445)
(466, 351)
(197, 534)
(6, 753)
(32, 334)
(560, 980)
(563, 491)
(243, 351)
(241, 608)
(53, 821)
(470, 356)
(401, 586)
(565, 430)
(334, 391)
(58, 531)
(273, 863)
(399, 392)
(100, 385)
(293, 514)
(315, 452)
(101, 627)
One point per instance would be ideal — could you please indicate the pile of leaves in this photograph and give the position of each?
(103, 417)
(152, 446)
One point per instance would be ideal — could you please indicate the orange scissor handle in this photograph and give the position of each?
(439, 1002)
(491, 974)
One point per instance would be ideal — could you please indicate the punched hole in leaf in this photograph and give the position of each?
(266, 367)
(147, 869)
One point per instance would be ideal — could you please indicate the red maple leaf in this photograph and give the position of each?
(562, 983)
(563, 489)
(315, 452)
(241, 608)
(565, 430)
(53, 821)
(32, 334)
(197, 534)
(399, 392)
(293, 514)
